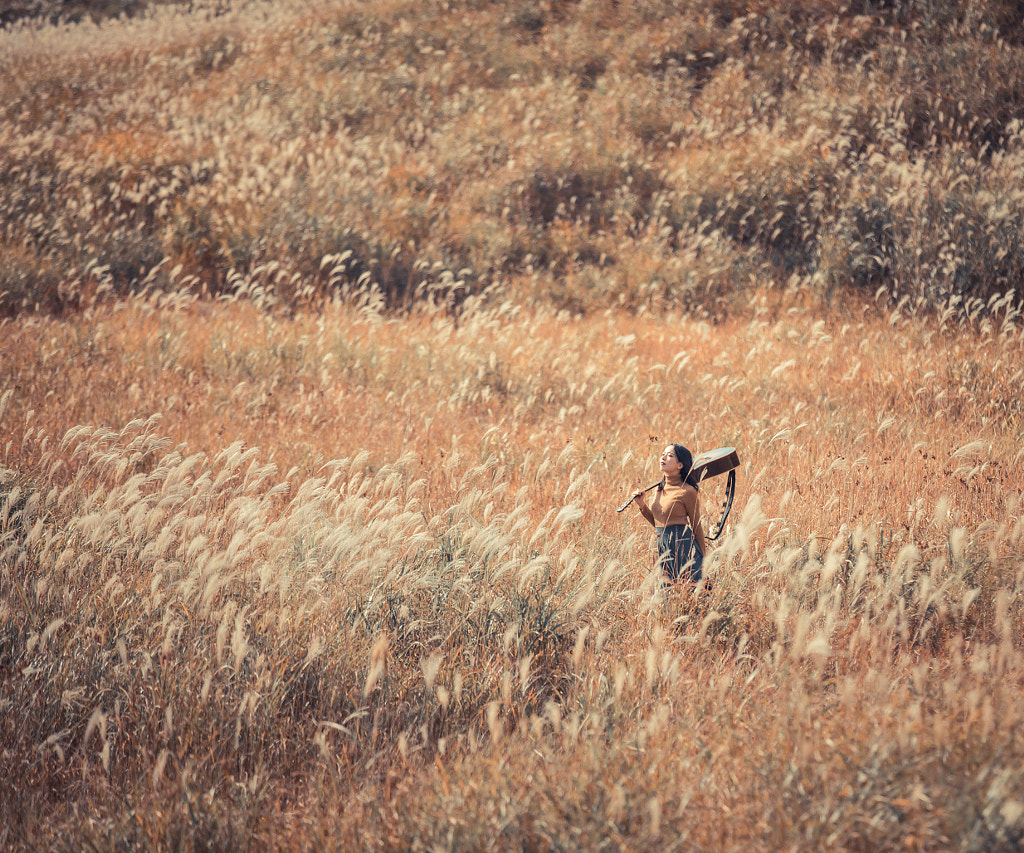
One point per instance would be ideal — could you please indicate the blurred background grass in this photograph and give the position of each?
(584, 154)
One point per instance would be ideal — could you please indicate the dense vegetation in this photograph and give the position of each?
(332, 334)
(360, 584)
(585, 154)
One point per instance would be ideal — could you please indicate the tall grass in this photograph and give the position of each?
(333, 333)
(583, 154)
(360, 584)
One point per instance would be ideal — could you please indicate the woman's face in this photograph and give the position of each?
(669, 463)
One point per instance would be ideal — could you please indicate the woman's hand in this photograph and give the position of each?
(641, 503)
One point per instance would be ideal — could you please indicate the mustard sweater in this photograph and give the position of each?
(669, 506)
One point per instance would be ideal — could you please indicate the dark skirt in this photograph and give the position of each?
(678, 554)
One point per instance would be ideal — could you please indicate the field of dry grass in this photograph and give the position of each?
(334, 332)
(351, 580)
(587, 154)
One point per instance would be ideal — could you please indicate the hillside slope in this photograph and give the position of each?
(586, 154)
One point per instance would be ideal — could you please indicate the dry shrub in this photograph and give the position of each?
(538, 151)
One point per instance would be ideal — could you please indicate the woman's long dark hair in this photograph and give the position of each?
(686, 459)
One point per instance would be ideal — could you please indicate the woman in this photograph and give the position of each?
(675, 514)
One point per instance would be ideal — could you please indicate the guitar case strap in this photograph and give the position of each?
(730, 493)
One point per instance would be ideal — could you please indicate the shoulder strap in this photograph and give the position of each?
(730, 493)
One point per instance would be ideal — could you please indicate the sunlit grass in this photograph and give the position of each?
(334, 332)
(588, 155)
(342, 575)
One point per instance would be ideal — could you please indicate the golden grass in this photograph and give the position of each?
(346, 579)
(586, 154)
(334, 332)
